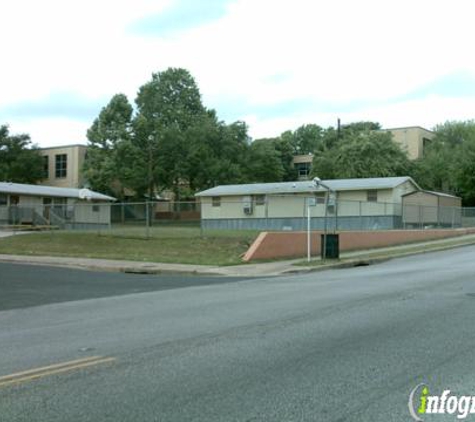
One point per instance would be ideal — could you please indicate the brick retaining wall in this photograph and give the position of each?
(271, 245)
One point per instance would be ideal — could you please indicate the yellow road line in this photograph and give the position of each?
(44, 371)
(46, 368)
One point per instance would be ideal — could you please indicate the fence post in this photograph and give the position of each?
(336, 213)
(308, 232)
(201, 218)
(147, 220)
(98, 219)
(72, 207)
(267, 212)
(361, 215)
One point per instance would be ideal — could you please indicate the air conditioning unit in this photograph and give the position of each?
(247, 205)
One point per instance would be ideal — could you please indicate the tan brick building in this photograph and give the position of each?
(63, 166)
(412, 139)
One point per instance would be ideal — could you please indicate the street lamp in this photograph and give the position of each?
(318, 182)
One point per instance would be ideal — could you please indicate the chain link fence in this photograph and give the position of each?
(156, 219)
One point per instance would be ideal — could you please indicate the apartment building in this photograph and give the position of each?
(303, 165)
(63, 166)
(413, 140)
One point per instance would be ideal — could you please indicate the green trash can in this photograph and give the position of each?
(332, 250)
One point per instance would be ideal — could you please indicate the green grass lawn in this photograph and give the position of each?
(166, 244)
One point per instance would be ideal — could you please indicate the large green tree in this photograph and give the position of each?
(217, 154)
(171, 141)
(265, 164)
(105, 168)
(362, 154)
(280, 148)
(305, 139)
(464, 171)
(436, 169)
(20, 161)
(448, 161)
(169, 107)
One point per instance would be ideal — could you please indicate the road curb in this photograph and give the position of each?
(28, 260)
(213, 271)
(362, 261)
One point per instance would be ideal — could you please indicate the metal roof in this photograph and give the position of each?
(307, 186)
(50, 191)
(431, 192)
(63, 147)
(407, 127)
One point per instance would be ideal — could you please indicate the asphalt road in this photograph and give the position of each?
(340, 345)
(23, 286)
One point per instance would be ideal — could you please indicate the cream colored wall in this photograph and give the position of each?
(36, 203)
(411, 140)
(402, 189)
(308, 158)
(350, 203)
(83, 210)
(287, 206)
(75, 160)
(356, 208)
(447, 201)
(421, 198)
(231, 207)
(419, 207)
(424, 208)
(384, 195)
(30, 201)
(450, 211)
(83, 213)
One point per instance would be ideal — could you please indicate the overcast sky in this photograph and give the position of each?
(274, 64)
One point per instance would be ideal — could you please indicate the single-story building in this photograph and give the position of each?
(66, 208)
(366, 203)
(427, 208)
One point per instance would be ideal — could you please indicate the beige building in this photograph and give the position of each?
(412, 139)
(63, 166)
(65, 208)
(426, 208)
(372, 203)
(303, 165)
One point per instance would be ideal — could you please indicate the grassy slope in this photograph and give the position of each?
(176, 245)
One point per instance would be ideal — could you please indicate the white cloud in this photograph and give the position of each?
(261, 53)
(425, 112)
(52, 131)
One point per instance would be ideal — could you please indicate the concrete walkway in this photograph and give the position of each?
(252, 270)
(7, 233)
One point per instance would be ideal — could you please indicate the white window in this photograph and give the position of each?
(61, 166)
(372, 195)
(320, 197)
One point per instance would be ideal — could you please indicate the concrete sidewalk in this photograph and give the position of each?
(272, 268)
